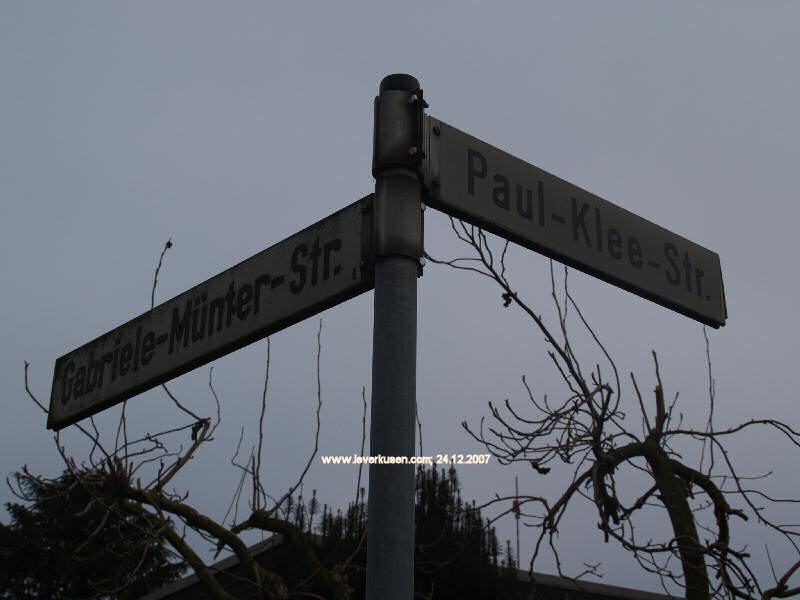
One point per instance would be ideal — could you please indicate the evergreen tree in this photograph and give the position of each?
(457, 554)
(65, 544)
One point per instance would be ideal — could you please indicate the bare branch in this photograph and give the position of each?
(257, 469)
(586, 430)
(311, 458)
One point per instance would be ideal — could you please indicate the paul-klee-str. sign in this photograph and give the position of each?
(474, 181)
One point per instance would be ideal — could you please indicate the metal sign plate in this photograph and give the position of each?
(304, 274)
(478, 183)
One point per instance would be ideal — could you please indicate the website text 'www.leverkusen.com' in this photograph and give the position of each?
(380, 459)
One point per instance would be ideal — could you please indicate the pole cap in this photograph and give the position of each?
(399, 81)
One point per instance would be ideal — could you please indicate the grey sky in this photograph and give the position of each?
(228, 127)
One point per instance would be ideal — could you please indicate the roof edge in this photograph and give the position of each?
(555, 581)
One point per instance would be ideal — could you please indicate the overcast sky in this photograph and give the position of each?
(228, 127)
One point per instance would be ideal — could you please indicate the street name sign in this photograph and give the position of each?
(487, 187)
(323, 265)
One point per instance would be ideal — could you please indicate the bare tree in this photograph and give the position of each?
(135, 477)
(588, 432)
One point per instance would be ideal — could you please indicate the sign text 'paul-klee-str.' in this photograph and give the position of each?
(474, 181)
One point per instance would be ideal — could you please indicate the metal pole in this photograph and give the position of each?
(398, 247)
(517, 511)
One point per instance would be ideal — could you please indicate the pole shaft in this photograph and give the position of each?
(516, 516)
(390, 538)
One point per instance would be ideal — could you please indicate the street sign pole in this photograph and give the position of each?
(397, 155)
(332, 261)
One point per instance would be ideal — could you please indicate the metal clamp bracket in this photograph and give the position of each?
(398, 130)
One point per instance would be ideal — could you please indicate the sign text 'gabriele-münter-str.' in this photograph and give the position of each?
(314, 269)
(469, 179)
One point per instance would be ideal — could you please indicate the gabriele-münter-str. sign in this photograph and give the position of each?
(314, 269)
(469, 179)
